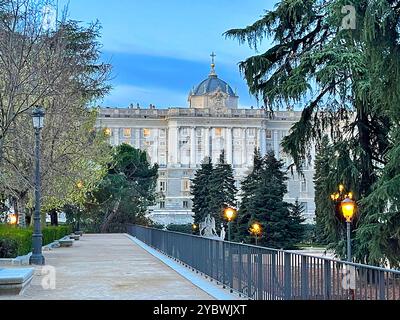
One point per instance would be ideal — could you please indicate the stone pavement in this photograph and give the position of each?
(109, 267)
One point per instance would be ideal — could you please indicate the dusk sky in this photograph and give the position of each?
(160, 49)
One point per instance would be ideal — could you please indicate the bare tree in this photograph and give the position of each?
(57, 68)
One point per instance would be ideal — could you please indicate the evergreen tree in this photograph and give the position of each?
(222, 190)
(124, 194)
(240, 229)
(296, 227)
(350, 80)
(200, 190)
(263, 191)
(327, 224)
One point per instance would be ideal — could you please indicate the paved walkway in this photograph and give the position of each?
(110, 267)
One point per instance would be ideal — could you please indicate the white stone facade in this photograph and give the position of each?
(179, 139)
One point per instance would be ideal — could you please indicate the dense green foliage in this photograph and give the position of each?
(182, 228)
(213, 190)
(262, 203)
(124, 194)
(200, 189)
(347, 83)
(15, 241)
(222, 190)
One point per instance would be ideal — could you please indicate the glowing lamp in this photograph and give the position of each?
(230, 214)
(256, 228)
(348, 209)
(13, 219)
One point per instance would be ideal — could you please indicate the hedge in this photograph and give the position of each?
(16, 242)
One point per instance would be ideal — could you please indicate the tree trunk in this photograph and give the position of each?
(20, 206)
(54, 218)
(111, 216)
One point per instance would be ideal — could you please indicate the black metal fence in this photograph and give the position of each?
(267, 274)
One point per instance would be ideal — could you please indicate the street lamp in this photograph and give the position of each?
(256, 229)
(194, 227)
(230, 214)
(348, 210)
(13, 219)
(37, 257)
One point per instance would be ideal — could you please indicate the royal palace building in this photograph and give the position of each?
(179, 139)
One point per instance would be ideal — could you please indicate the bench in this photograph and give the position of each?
(15, 281)
(74, 237)
(65, 243)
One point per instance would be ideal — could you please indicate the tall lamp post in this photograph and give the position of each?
(230, 214)
(348, 209)
(37, 257)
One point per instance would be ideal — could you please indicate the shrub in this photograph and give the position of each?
(182, 228)
(16, 242)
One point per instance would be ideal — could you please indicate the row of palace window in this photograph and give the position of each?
(186, 184)
(185, 204)
(127, 133)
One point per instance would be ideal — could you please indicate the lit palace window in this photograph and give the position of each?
(186, 185)
(218, 132)
(146, 133)
(108, 132)
(127, 133)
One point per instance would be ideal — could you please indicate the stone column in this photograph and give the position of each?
(244, 147)
(137, 138)
(116, 136)
(263, 142)
(207, 142)
(173, 145)
(155, 146)
(229, 146)
(276, 144)
(193, 147)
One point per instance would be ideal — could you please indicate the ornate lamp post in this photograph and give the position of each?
(256, 230)
(37, 257)
(348, 209)
(230, 214)
(345, 208)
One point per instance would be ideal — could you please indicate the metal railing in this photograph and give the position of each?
(267, 274)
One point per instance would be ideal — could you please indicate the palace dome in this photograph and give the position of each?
(213, 84)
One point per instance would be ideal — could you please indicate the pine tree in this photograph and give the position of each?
(270, 211)
(240, 228)
(296, 227)
(222, 190)
(329, 228)
(200, 190)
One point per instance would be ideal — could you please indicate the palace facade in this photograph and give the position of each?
(179, 139)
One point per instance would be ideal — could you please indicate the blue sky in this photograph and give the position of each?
(160, 49)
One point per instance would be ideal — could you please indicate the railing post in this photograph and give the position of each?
(260, 277)
(288, 276)
(327, 279)
(304, 278)
(240, 268)
(382, 295)
(223, 266)
(230, 265)
(274, 282)
(249, 273)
